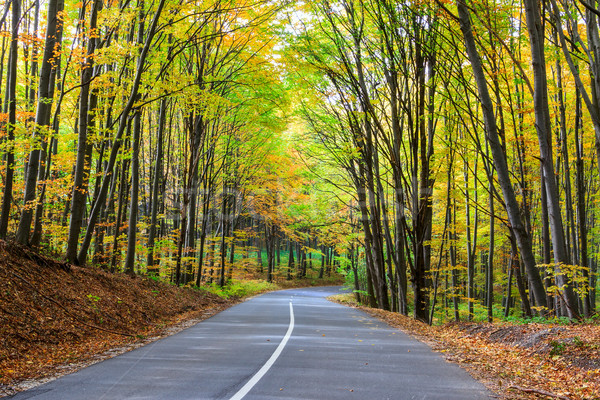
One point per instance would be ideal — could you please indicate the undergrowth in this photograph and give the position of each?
(239, 289)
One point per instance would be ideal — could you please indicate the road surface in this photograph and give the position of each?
(291, 344)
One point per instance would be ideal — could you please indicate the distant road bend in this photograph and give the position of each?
(291, 344)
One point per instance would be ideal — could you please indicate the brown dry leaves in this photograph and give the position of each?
(53, 315)
(516, 361)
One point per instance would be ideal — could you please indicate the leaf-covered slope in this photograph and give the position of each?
(53, 313)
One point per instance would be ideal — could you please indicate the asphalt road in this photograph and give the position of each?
(291, 344)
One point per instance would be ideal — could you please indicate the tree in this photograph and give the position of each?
(11, 109)
(54, 31)
(543, 128)
(512, 208)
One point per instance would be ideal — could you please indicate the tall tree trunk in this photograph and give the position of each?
(290, 266)
(588, 305)
(133, 95)
(526, 305)
(223, 246)
(470, 247)
(156, 181)
(522, 236)
(11, 107)
(42, 118)
(490, 263)
(84, 146)
(203, 232)
(123, 188)
(454, 264)
(322, 268)
(543, 128)
(134, 196)
(509, 288)
(268, 242)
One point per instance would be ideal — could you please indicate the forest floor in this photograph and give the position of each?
(527, 361)
(56, 318)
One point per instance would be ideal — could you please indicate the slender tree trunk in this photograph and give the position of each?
(224, 224)
(268, 243)
(123, 188)
(42, 119)
(133, 95)
(490, 263)
(100, 256)
(134, 196)
(354, 266)
(512, 207)
(259, 253)
(278, 248)
(322, 269)
(526, 306)
(11, 106)
(582, 222)
(290, 266)
(470, 248)
(203, 228)
(454, 264)
(543, 128)
(158, 172)
(509, 288)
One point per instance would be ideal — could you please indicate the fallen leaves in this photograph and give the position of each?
(52, 314)
(516, 361)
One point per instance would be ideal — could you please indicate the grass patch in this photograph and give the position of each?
(240, 289)
(344, 298)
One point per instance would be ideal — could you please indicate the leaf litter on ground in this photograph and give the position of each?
(56, 318)
(527, 361)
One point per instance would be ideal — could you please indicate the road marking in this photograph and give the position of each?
(254, 380)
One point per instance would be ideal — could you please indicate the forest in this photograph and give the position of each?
(442, 155)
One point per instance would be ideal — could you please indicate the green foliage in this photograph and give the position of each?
(93, 298)
(240, 289)
(539, 320)
(557, 348)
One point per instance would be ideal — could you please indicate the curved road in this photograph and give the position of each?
(291, 344)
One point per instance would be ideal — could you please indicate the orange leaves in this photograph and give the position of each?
(21, 116)
(42, 337)
(516, 361)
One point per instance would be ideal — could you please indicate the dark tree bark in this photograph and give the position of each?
(84, 146)
(11, 108)
(290, 266)
(134, 196)
(582, 222)
(82, 255)
(522, 236)
(156, 183)
(543, 128)
(52, 45)
(516, 266)
(471, 243)
(490, 263)
(508, 297)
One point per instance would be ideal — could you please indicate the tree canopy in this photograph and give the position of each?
(438, 154)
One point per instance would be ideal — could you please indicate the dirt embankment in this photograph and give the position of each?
(55, 317)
